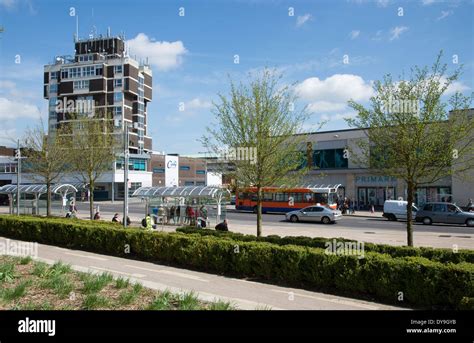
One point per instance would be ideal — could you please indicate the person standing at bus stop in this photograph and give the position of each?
(149, 225)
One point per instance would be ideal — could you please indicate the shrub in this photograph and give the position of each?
(422, 282)
(434, 254)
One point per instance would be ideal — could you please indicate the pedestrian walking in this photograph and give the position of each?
(187, 218)
(173, 214)
(115, 219)
(178, 214)
(97, 216)
(192, 214)
(161, 214)
(203, 212)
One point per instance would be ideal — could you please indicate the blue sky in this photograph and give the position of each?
(193, 55)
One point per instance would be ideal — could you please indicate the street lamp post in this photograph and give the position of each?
(18, 177)
(125, 176)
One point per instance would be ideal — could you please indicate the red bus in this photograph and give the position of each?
(277, 199)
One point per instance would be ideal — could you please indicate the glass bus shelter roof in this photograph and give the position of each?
(62, 188)
(177, 192)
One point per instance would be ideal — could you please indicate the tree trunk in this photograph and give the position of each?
(259, 211)
(91, 199)
(410, 198)
(48, 199)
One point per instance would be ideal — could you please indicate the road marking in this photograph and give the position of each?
(169, 272)
(118, 272)
(80, 255)
(333, 300)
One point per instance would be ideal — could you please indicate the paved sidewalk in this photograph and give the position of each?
(243, 294)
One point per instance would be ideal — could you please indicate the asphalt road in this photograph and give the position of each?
(365, 229)
(137, 210)
(350, 222)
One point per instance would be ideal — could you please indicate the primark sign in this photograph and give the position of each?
(375, 179)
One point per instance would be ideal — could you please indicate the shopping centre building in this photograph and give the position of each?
(332, 165)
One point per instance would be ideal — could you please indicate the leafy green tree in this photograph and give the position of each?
(45, 158)
(91, 150)
(410, 134)
(256, 131)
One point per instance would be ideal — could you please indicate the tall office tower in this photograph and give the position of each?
(103, 81)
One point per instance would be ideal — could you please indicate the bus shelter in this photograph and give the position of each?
(30, 195)
(184, 205)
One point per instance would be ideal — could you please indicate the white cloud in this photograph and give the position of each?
(5, 84)
(326, 106)
(427, 2)
(444, 14)
(378, 36)
(383, 3)
(196, 103)
(380, 3)
(338, 116)
(163, 55)
(456, 86)
(329, 97)
(397, 31)
(8, 137)
(302, 19)
(13, 110)
(354, 34)
(336, 88)
(8, 4)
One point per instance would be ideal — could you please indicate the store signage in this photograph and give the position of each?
(171, 164)
(172, 171)
(375, 179)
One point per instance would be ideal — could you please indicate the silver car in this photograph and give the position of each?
(442, 212)
(316, 213)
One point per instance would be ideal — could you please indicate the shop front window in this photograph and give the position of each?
(362, 197)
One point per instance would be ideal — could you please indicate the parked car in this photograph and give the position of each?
(441, 212)
(397, 209)
(321, 214)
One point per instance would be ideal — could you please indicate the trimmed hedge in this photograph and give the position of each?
(424, 283)
(433, 254)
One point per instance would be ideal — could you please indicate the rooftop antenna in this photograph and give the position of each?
(77, 26)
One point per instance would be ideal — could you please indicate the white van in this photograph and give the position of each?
(397, 209)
